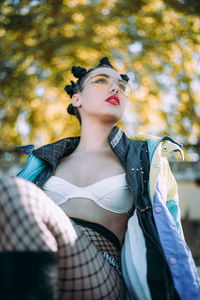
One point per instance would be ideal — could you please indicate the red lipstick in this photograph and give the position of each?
(113, 100)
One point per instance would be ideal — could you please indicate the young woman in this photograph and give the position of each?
(113, 228)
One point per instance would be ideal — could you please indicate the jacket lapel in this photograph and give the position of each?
(52, 153)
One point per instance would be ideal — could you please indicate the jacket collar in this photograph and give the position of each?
(53, 153)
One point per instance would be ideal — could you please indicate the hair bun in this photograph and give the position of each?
(78, 72)
(105, 61)
(124, 77)
(70, 109)
(70, 89)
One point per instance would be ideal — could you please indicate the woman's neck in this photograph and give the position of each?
(94, 137)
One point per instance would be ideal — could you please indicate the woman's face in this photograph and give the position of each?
(101, 96)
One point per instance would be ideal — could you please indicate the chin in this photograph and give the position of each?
(111, 118)
(106, 116)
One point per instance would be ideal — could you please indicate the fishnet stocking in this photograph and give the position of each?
(102, 243)
(31, 224)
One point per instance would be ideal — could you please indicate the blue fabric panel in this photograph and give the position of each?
(151, 147)
(176, 251)
(174, 211)
(32, 168)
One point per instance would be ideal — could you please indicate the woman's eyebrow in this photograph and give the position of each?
(107, 75)
(103, 74)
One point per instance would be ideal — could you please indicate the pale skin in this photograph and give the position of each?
(94, 160)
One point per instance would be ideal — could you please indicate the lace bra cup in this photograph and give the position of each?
(111, 193)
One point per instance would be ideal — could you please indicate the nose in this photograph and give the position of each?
(114, 88)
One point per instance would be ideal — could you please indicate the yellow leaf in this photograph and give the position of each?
(77, 17)
(30, 42)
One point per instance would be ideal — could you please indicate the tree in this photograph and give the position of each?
(156, 41)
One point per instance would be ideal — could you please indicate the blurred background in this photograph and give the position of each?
(157, 42)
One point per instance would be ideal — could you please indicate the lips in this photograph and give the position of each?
(113, 100)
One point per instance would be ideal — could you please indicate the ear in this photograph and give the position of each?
(76, 100)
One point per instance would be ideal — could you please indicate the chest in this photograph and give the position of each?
(84, 170)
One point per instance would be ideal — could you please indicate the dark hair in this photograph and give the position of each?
(82, 74)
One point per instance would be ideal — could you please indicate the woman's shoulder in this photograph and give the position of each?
(166, 143)
(57, 145)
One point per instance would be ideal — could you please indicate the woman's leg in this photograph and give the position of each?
(28, 250)
(39, 242)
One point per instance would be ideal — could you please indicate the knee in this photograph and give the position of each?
(27, 213)
(13, 190)
(20, 198)
(22, 218)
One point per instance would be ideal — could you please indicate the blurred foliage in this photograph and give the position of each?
(156, 41)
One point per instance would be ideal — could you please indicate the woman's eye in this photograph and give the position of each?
(122, 86)
(100, 80)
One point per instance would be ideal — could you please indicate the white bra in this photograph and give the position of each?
(111, 193)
